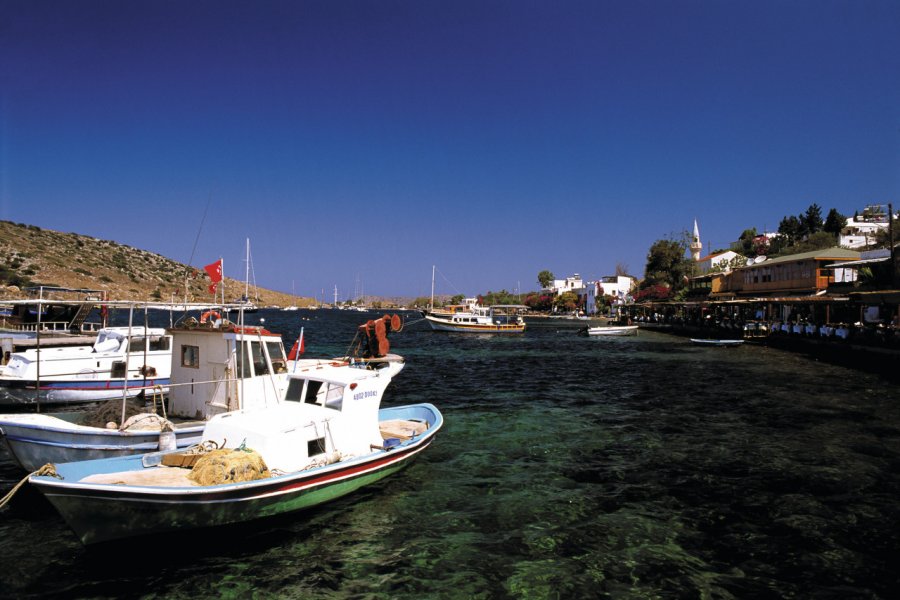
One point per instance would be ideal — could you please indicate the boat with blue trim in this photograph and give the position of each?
(328, 438)
(121, 361)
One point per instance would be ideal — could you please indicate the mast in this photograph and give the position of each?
(431, 308)
(247, 274)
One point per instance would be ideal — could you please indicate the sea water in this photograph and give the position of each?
(568, 467)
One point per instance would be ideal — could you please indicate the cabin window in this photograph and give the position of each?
(190, 356)
(250, 361)
(276, 355)
(260, 366)
(315, 447)
(334, 397)
(242, 364)
(136, 345)
(310, 391)
(162, 342)
(118, 369)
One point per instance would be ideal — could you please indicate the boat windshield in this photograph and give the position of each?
(310, 391)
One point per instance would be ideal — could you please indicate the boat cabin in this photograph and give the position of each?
(329, 414)
(214, 368)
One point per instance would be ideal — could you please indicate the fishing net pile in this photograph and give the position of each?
(229, 465)
(111, 412)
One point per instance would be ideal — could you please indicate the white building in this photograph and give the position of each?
(860, 231)
(717, 261)
(617, 286)
(569, 284)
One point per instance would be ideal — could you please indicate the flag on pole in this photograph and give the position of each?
(297, 349)
(215, 275)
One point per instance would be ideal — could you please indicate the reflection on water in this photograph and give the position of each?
(568, 467)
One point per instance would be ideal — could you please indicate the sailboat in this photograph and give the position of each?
(294, 298)
(244, 301)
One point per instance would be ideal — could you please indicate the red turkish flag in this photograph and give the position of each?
(214, 271)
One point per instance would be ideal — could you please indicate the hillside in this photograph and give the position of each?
(30, 255)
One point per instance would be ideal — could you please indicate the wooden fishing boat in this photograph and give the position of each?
(472, 317)
(328, 438)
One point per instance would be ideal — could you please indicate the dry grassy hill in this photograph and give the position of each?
(30, 255)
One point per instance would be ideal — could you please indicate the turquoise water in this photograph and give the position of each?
(568, 467)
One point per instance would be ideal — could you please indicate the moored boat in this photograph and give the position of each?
(328, 438)
(472, 317)
(612, 330)
(716, 342)
(216, 367)
(121, 361)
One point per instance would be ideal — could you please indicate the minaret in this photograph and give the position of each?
(696, 246)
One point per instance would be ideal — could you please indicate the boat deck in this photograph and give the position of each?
(170, 476)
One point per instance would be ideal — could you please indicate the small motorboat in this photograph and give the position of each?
(612, 330)
(714, 342)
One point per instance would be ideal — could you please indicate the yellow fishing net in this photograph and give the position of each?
(229, 465)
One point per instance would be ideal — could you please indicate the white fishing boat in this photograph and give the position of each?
(326, 439)
(121, 361)
(612, 330)
(216, 367)
(716, 342)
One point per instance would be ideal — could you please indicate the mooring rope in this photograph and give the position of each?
(47, 469)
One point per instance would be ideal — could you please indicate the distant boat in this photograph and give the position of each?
(612, 330)
(703, 342)
(471, 317)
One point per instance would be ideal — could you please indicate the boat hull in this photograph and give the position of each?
(723, 343)
(613, 330)
(438, 325)
(104, 512)
(34, 440)
(16, 392)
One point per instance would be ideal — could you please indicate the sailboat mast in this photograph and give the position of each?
(431, 308)
(247, 273)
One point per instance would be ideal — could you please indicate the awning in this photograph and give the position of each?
(857, 263)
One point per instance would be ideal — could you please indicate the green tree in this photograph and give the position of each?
(790, 229)
(545, 278)
(566, 302)
(834, 222)
(457, 299)
(811, 220)
(745, 243)
(667, 264)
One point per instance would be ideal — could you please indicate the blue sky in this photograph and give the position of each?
(367, 141)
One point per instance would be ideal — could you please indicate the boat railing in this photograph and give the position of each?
(54, 326)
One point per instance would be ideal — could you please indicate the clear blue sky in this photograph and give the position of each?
(367, 141)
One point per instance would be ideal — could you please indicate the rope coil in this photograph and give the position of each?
(47, 470)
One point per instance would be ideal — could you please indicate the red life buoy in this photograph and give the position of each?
(210, 313)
